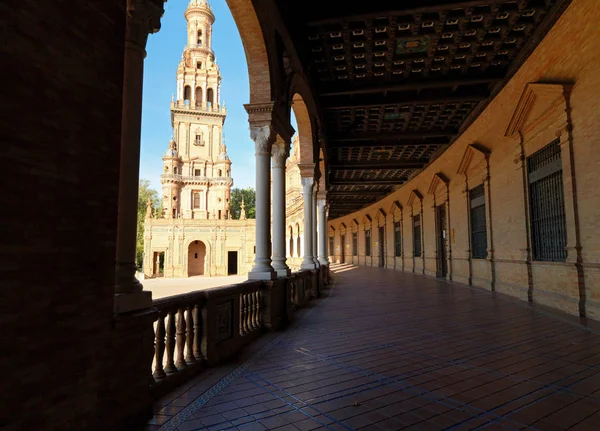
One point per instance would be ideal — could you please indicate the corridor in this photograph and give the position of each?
(388, 351)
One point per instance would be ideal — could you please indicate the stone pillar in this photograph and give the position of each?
(263, 141)
(143, 17)
(322, 208)
(307, 185)
(314, 225)
(280, 152)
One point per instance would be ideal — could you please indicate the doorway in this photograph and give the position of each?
(158, 264)
(381, 246)
(196, 256)
(343, 249)
(232, 263)
(442, 263)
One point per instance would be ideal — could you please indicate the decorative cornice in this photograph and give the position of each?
(415, 194)
(470, 152)
(396, 206)
(437, 179)
(307, 169)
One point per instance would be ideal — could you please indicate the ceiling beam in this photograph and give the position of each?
(359, 192)
(396, 100)
(361, 11)
(390, 136)
(377, 164)
(387, 143)
(409, 85)
(366, 182)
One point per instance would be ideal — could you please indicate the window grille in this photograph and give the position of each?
(547, 204)
(397, 239)
(330, 246)
(417, 235)
(368, 242)
(478, 223)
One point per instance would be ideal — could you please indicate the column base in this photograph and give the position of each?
(283, 272)
(262, 275)
(127, 302)
(308, 264)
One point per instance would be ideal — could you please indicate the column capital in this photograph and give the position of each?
(263, 137)
(143, 18)
(322, 204)
(307, 181)
(280, 152)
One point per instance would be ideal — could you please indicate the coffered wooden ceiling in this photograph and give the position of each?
(398, 81)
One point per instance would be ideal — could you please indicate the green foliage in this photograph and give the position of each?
(235, 203)
(144, 193)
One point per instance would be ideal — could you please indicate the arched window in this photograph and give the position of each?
(196, 200)
(209, 96)
(220, 173)
(187, 93)
(199, 38)
(198, 96)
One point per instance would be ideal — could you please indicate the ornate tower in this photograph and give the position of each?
(196, 169)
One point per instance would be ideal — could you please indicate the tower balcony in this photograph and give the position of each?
(195, 180)
(205, 108)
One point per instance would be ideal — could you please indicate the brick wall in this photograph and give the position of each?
(568, 53)
(67, 365)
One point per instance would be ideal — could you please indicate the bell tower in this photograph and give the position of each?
(197, 172)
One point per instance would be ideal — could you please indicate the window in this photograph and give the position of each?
(195, 255)
(220, 173)
(354, 243)
(199, 141)
(175, 171)
(199, 38)
(547, 204)
(417, 235)
(199, 65)
(209, 96)
(368, 242)
(331, 246)
(197, 172)
(397, 239)
(196, 200)
(187, 93)
(478, 223)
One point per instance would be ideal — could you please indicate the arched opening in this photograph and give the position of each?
(209, 96)
(187, 93)
(196, 258)
(198, 96)
(291, 241)
(304, 129)
(220, 173)
(199, 38)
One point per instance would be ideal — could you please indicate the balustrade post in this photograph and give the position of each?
(197, 332)
(180, 363)
(159, 348)
(189, 325)
(170, 367)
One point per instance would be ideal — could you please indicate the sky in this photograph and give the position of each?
(164, 50)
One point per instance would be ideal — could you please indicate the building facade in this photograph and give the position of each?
(196, 235)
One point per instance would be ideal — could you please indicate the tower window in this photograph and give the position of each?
(199, 93)
(199, 37)
(175, 171)
(199, 65)
(196, 200)
(220, 173)
(197, 172)
(187, 93)
(199, 141)
(209, 96)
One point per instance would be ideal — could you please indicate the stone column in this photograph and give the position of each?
(314, 225)
(280, 152)
(143, 17)
(322, 208)
(307, 184)
(263, 141)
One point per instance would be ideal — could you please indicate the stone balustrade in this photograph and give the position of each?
(201, 329)
(204, 107)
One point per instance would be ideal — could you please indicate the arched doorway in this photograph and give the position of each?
(196, 257)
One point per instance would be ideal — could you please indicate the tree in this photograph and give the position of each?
(235, 203)
(144, 193)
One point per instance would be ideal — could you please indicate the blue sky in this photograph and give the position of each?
(164, 52)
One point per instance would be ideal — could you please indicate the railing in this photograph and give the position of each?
(203, 328)
(202, 107)
(193, 178)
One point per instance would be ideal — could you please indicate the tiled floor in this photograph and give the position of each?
(389, 351)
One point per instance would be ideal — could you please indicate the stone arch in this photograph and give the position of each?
(198, 95)
(187, 93)
(210, 94)
(251, 33)
(305, 129)
(197, 253)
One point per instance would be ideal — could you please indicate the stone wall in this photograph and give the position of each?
(67, 365)
(489, 152)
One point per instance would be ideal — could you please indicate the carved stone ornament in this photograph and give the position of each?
(261, 135)
(280, 153)
(143, 18)
(307, 181)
